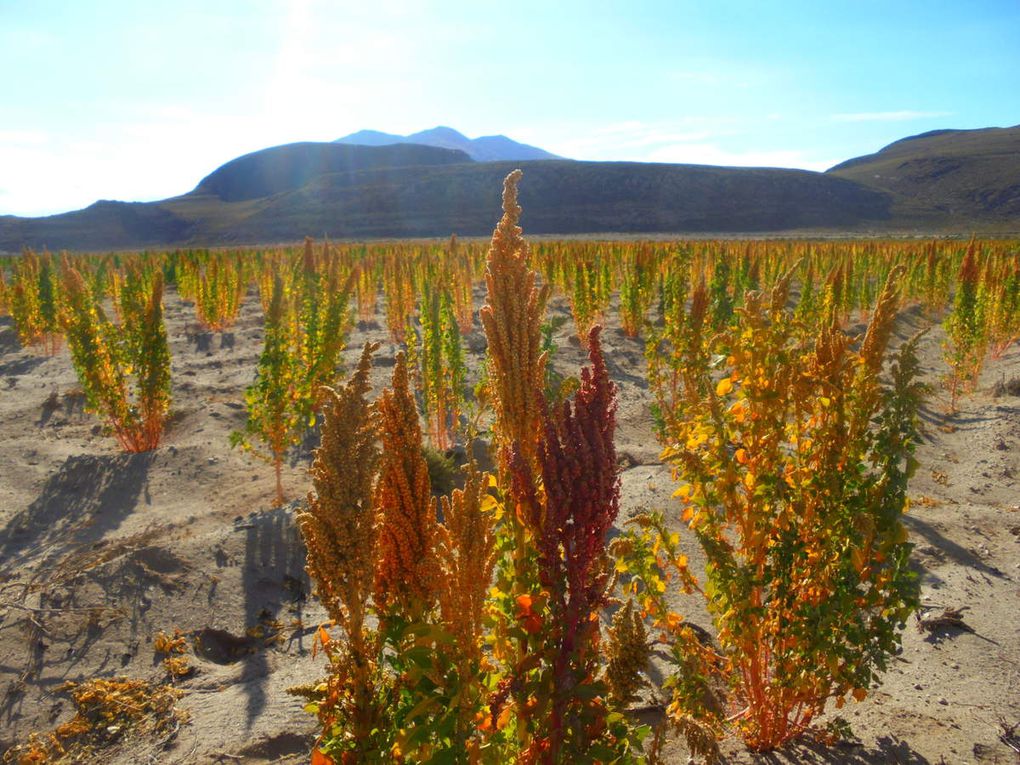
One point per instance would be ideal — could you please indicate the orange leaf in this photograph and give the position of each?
(321, 638)
(504, 718)
(532, 624)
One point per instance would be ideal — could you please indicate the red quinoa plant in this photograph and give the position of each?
(570, 512)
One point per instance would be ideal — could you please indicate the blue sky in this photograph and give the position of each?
(139, 100)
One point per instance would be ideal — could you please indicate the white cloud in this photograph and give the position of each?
(899, 116)
(152, 155)
(688, 140)
(628, 140)
(22, 137)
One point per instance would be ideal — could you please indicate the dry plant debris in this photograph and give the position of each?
(949, 617)
(106, 711)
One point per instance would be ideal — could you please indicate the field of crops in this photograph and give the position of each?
(557, 501)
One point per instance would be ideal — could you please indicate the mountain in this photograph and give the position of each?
(104, 225)
(560, 197)
(282, 193)
(487, 148)
(949, 181)
(956, 175)
(289, 167)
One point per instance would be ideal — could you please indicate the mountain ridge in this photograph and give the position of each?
(486, 148)
(290, 166)
(967, 174)
(942, 181)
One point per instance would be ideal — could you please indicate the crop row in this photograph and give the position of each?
(496, 622)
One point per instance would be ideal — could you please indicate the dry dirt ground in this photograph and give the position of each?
(117, 547)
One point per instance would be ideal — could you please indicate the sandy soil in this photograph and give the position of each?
(118, 547)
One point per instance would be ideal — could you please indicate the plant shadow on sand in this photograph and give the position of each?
(886, 749)
(274, 578)
(22, 366)
(59, 536)
(87, 498)
(959, 554)
(8, 337)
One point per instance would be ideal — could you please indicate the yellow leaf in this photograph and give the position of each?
(725, 386)
(683, 492)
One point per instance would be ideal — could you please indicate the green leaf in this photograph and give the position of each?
(420, 655)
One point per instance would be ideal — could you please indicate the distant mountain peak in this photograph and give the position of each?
(487, 148)
(442, 131)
